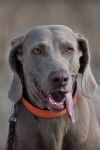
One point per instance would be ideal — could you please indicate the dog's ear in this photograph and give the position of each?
(88, 81)
(15, 59)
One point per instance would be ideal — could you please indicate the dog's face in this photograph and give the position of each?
(49, 59)
(50, 63)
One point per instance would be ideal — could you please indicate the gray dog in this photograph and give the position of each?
(47, 63)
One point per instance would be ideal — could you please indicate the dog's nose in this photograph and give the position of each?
(59, 78)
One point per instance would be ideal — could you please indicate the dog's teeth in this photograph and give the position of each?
(55, 104)
(60, 104)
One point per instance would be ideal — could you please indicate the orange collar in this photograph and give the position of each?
(45, 113)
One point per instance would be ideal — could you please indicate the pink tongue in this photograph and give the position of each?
(69, 106)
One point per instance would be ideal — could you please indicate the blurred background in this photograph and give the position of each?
(18, 16)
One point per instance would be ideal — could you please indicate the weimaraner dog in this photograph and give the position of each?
(50, 65)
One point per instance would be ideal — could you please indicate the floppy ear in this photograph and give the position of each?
(15, 57)
(88, 80)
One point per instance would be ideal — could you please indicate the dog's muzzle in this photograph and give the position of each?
(58, 97)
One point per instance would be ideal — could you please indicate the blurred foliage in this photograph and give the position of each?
(18, 16)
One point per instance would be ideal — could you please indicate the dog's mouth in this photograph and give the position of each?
(58, 100)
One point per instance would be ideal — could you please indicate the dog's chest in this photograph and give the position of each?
(52, 133)
(49, 134)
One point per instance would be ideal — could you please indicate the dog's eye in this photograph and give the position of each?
(36, 51)
(70, 50)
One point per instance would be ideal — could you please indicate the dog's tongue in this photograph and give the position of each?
(69, 106)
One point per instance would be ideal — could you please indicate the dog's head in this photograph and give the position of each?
(46, 62)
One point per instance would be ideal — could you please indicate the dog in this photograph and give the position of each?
(51, 67)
